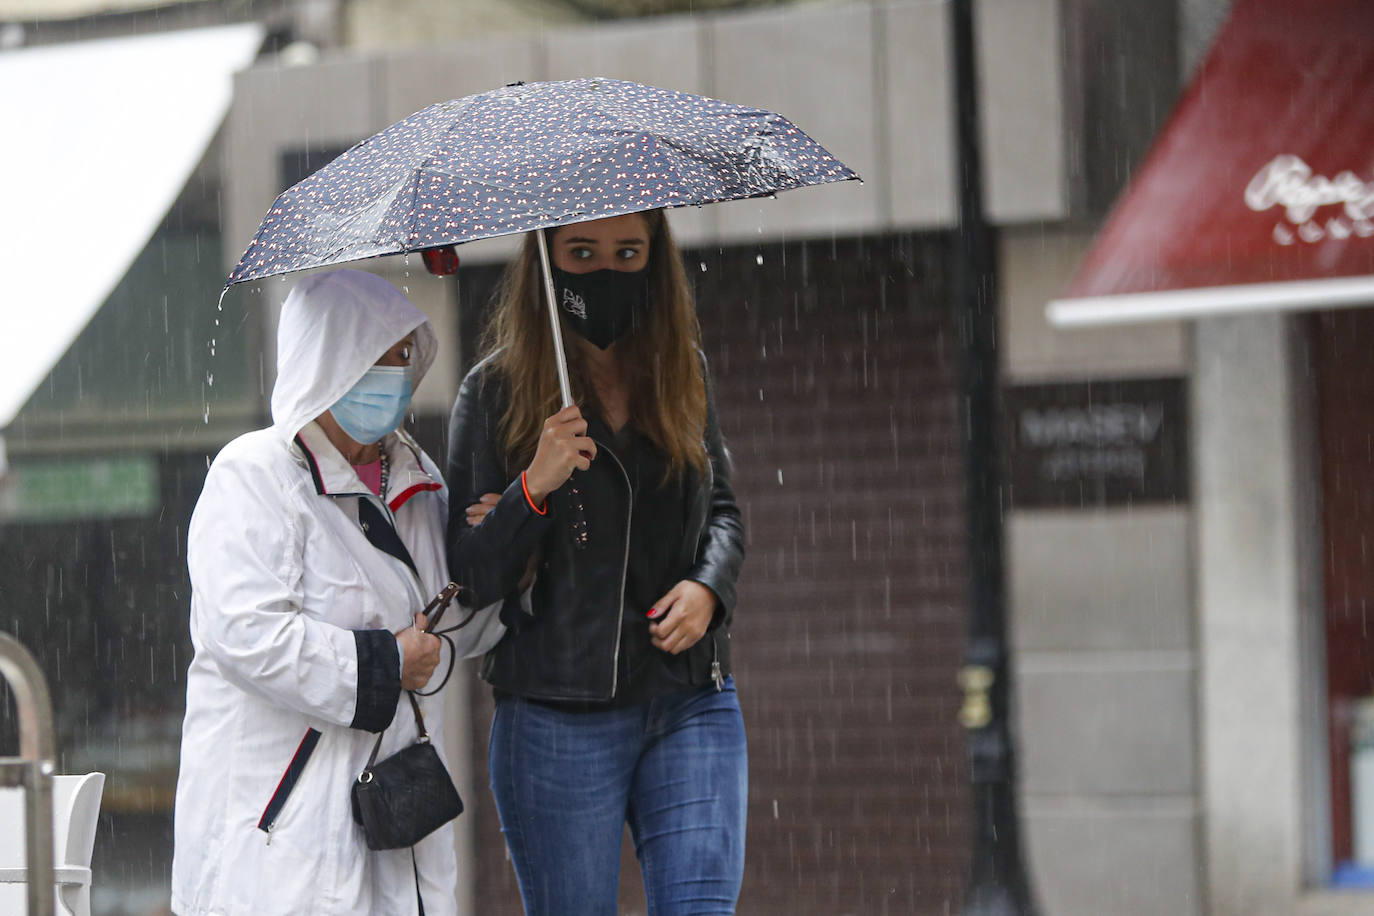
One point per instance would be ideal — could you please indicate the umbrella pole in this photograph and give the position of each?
(577, 513)
(559, 356)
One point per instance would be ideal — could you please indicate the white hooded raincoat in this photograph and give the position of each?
(292, 616)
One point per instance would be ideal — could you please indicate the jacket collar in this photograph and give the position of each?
(334, 476)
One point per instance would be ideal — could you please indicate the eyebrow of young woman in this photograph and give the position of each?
(580, 240)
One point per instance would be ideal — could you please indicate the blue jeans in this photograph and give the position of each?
(566, 783)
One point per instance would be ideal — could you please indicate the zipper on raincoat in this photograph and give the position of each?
(288, 782)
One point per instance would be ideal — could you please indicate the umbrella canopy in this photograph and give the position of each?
(530, 156)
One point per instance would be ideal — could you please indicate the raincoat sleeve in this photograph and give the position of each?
(720, 553)
(490, 559)
(245, 549)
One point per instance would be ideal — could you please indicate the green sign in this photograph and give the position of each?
(59, 490)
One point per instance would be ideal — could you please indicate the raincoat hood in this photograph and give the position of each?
(334, 327)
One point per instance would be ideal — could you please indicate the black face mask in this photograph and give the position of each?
(603, 305)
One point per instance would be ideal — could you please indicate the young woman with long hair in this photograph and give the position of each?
(610, 530)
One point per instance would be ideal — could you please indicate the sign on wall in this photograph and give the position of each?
(79, 488)
(1101, 443)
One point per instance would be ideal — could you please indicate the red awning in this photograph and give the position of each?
(1259, 191)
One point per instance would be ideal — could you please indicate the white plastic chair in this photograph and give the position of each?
(75, 813)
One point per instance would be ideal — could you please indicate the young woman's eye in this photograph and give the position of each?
(580, 252)
(628, 254)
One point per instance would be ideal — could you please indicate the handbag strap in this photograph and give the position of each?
(377, 745)
(436, 606)
(440, 601)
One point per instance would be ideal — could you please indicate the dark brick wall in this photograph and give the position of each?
(834, 365)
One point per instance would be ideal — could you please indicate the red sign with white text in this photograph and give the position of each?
(1265, 171)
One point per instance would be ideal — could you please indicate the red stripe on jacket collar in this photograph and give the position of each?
(406, 470)
(400, 499)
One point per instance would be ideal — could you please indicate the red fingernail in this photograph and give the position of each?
(653, 612)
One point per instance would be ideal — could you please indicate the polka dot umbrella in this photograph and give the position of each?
(530, 156)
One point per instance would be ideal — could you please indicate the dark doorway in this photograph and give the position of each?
(1341, 344)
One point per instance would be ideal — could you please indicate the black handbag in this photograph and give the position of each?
(409, 795)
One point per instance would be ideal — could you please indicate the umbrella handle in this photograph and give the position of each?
(559, 356)
(577, 512)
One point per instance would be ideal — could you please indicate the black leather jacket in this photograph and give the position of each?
(568, 649)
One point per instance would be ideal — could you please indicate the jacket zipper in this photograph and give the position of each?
(715, 665)
(624, 567)
(288, 782)
(716, 674)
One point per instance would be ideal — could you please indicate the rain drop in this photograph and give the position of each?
(779, 476)
(759, 260)
(703, 267)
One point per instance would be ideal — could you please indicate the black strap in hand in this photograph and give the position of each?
(437, 606)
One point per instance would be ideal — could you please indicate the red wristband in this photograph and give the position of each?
(526, 487)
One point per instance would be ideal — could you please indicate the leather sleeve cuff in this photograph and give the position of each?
(492, 561)
(721, 612)
(379, 679)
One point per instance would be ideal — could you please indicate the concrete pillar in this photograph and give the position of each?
(1259, 612)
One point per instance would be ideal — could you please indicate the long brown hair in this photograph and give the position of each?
(659, 361)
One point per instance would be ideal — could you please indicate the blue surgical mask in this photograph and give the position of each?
(375, 405)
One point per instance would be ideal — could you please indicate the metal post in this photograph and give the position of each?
(997, 882)
(32, 769)
(551, 300)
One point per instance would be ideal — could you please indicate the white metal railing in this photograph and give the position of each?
(33, 769)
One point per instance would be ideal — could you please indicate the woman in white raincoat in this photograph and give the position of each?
(303, 628)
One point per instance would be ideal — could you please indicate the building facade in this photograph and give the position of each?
(1169, 629)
